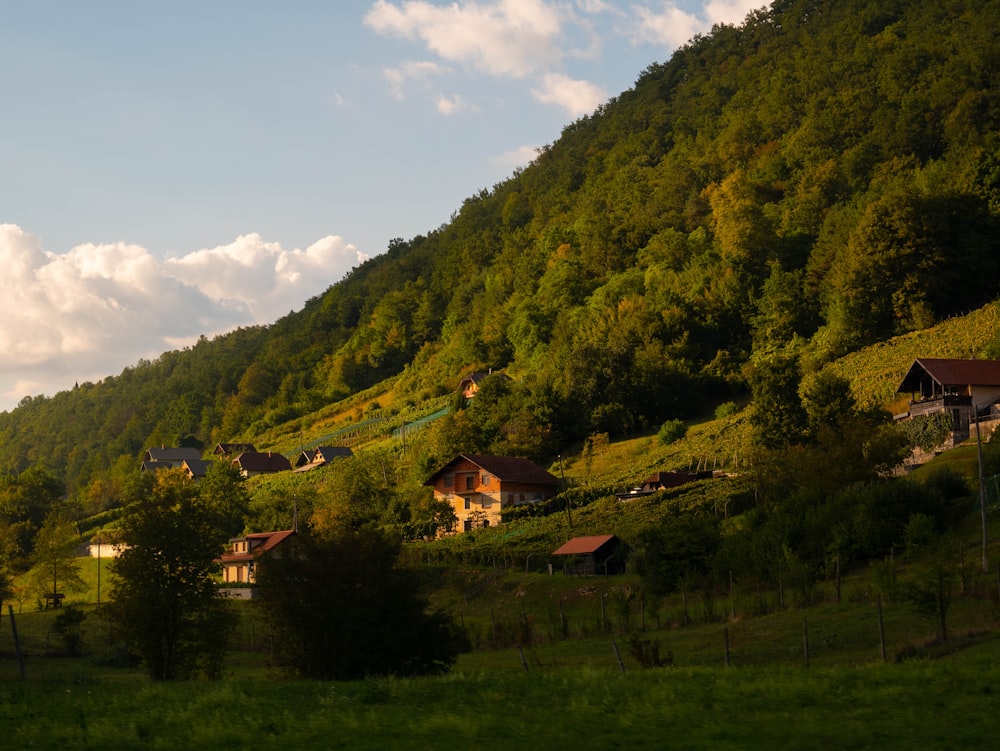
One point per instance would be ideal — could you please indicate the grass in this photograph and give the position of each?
(920, 704)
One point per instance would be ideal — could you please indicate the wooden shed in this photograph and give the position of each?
(588, 556)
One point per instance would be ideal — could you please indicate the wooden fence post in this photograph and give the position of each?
(881, 628)
(618, 655)
(725, 633)
(805, 640)
(17, 641)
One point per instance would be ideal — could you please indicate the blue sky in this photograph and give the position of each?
(182, 168)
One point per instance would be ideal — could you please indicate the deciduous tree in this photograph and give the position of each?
(342, 607)
(164, 601)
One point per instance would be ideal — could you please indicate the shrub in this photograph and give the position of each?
(724, 410)
(68, 627)
(671, 430)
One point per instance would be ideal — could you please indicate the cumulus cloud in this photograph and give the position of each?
(671, 26)
(452, 105)
(503, 38)
(519, 157)
(575, 97)
(88, 313)
(410, 70)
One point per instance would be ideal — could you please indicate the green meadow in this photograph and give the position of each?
(555, 667)
(921, 704)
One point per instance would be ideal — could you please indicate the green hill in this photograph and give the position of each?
(822, 177)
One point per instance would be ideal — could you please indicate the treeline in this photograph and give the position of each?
(774, 195)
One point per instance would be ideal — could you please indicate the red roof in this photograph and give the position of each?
(948, 372)
(584, 545)
(260, 543)
(507, 468)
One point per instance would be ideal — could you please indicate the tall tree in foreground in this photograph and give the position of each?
(342, 607)
(54, 557)
(164, 602)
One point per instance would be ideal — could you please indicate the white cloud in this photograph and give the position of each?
(671, 26)
(410, 70)
(575, 97)
(731, 11)
(503, 38)
(519, 157)
(450, 106)
(88, 313)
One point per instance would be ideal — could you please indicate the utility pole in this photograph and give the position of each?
(569, 514)
(982, 488)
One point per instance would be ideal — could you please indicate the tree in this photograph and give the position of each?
(164, 602)
(778, 417)
(341, 607)
(677, 552)
(54, 556)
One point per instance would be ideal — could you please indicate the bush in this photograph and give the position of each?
(724, 410)
(68, 627)
(671, 430)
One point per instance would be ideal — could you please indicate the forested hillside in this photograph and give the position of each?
(770, 198)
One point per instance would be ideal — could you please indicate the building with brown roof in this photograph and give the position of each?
(589, 555)
(230, 450)
(239, 562)
(469, 386)
(320, 456)
(480, 486)
(252, 463)
(962, 388)
(167, 457)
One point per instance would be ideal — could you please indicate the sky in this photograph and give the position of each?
(177, 169)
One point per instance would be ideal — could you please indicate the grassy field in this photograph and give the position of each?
(557, 684)
(920, 704)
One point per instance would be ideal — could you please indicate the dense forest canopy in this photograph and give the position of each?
(822, 177)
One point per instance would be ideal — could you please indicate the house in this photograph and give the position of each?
(962, 388)
(469, 386)
(587, 556)
(239, 562)
(196, 468)
(317, 457)
(168, 458)
(252, 463)
(479, 486)
(232, 450)
(663, 480)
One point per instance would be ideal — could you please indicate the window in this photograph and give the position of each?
(470, 482)
(467, 525)
(485, 479)
(449, 480)
(468, 504)
(487, 502)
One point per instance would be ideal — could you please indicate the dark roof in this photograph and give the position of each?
(951, 373)
(507, 468)
(172, 456)
(317, 457)
(230, 449)
(673, 479)
(197, 467)
(476, 377)
(253, 461)
(332, 452)
(584, 545)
